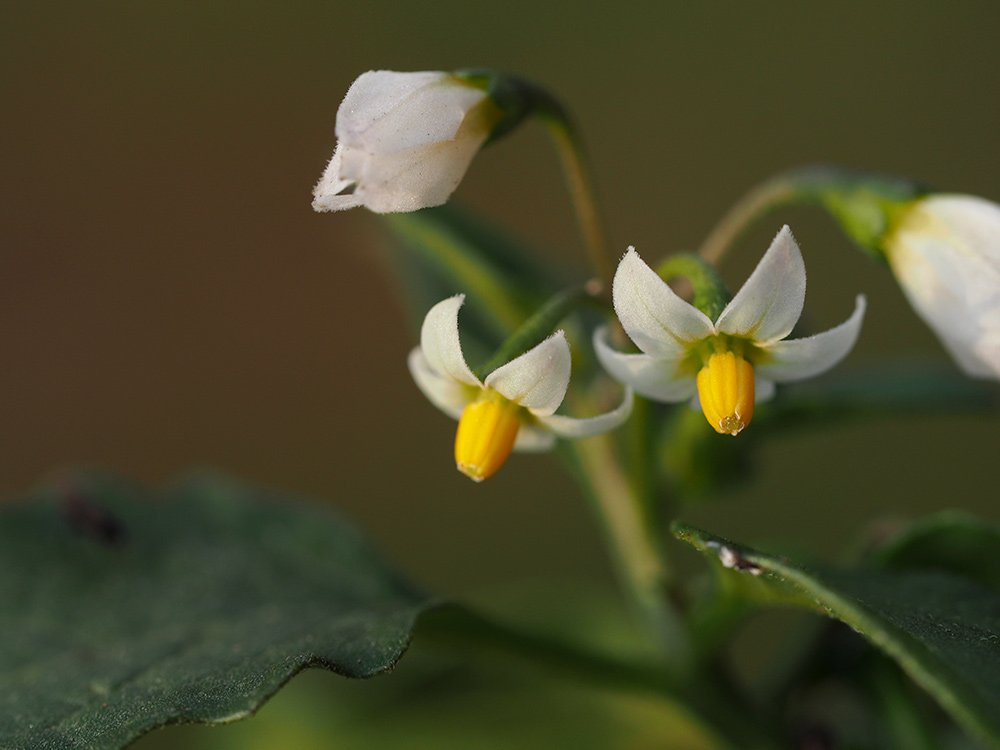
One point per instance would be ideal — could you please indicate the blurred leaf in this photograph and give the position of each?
(943, 629)
(954, 541)
(439, 252)
(433, 702)
(697, 462)
(126, 608)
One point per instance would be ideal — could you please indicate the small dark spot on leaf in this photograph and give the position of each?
(91, 520)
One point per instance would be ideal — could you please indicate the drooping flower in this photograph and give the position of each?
(404, 141)
(945, 252)
(512, 408)
(731, 362)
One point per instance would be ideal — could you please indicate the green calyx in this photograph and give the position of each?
(700, 352)
(710, 294)
(866, 213)
(516, 98)
(867, 206)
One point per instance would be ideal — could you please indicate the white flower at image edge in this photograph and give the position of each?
(730, 362)
(513, 408)
(404, 141)
(945, 252)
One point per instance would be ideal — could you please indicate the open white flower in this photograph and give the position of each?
(729, 362)
(945, 252)
(404, 141)
(513, 408)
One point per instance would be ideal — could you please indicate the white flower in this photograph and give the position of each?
(945, 252)
(513, 408)
(729, 362)
(404, 141)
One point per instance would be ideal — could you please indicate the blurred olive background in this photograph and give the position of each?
(170, 300)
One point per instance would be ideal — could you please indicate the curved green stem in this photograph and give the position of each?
(767, 196)
(862, 203)
(582, 194)
(638, 553)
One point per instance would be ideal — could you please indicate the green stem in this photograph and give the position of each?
(538, 327)
(516, 99)
(718, 710)
(862, 203)
(710, 293)
(636, 549)
(767, 196)
(581, 193)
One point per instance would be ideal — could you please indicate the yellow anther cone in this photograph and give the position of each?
(485, 437)
(726, 392)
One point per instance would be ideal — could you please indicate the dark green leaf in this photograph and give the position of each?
(943, 629)
(126, 608)
(953, 540)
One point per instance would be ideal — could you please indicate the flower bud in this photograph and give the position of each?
(945, 252)
(404, 141)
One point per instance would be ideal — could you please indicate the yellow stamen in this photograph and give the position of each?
(485, 436)
(726, 392)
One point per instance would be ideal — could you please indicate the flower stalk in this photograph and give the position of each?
(637, 552)
(520, 98)
(582, 194)
(863, 203)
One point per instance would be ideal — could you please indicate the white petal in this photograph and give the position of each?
(420, 177)
(803, 358)
(446, 394)
(769, 304)
(658, 378)
(328, 193)
(385, 111)
(654, 317)
(571, 427)
(763, 390)
(537, 380)
(532, 439)
(946, 255)
(440, 343)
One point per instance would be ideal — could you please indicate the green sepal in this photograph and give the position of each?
(867, 206)
(516, 98)
(710, 293)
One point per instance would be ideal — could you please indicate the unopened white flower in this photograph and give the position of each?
(404, 141)
(513, 408)
(735, 359)
(945, 252)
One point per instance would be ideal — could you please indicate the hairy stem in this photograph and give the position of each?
(636, 549)
(768, 195)
(582, 194)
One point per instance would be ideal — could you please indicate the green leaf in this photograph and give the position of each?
(943, 629)
(953, 540)
(126, 609)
